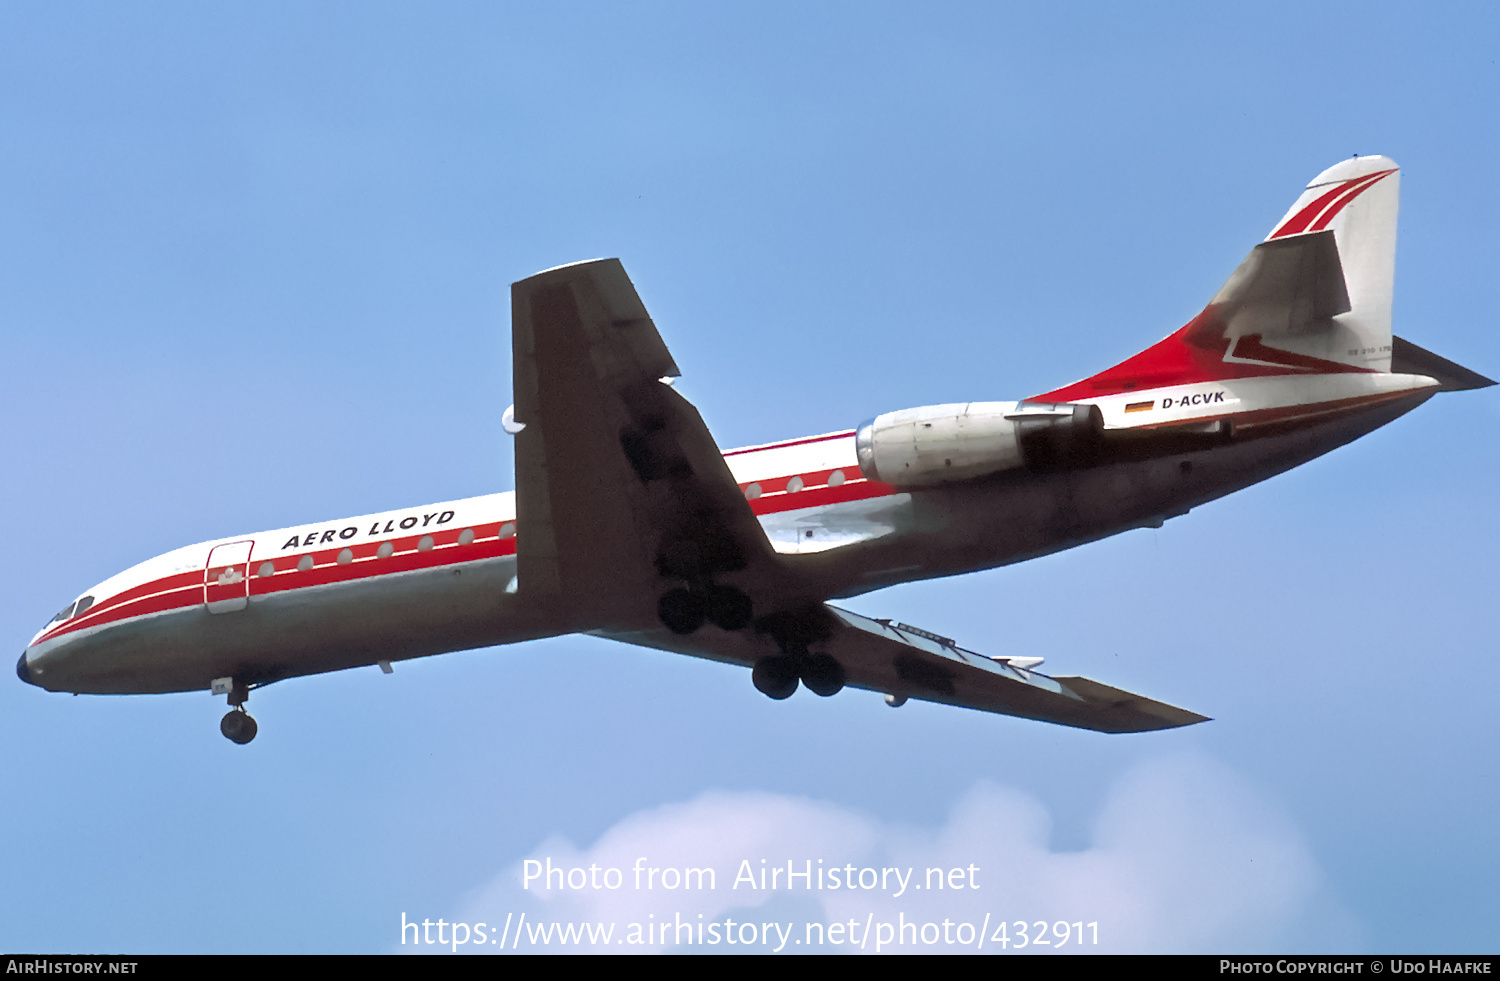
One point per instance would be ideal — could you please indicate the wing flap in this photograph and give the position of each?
(900, 660)
(897, 660)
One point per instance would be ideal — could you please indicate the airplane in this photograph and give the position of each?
(628, 522)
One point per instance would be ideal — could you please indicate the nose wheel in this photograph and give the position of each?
(238, 726)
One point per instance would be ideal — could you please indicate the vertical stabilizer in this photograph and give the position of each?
(1313, 299)
(1357, 199)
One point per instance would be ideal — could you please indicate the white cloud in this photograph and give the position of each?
(1185, 857)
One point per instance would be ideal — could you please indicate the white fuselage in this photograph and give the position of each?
(421, 581)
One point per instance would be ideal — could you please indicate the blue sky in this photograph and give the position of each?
(255, 264)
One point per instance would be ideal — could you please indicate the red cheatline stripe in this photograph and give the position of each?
(792, 442)
(1288, 413)
(155, 603)
(813, 496)
(1284, 413)
(181, 580)
(369, 568)
(173, 592)
(186, 589)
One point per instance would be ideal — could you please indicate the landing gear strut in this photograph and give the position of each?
(237, 725)
(728, 608)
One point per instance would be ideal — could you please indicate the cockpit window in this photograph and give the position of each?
(75, 609)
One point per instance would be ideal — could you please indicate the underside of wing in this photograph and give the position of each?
(1410, 359)
(905, 662)
(621, 493)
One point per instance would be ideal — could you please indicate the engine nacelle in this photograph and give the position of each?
(940, 444)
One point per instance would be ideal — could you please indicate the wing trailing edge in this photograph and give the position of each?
(901, 661)
(904, 662)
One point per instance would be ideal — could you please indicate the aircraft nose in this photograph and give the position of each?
(22, 671)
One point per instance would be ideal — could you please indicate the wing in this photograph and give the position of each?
(620, 490)
(905, 662)
(621, 493)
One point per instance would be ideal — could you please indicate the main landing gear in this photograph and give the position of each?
(238, 726)
(777, 677)
(795, 632)
(683, 611)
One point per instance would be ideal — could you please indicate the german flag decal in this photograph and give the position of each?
(1140, 406)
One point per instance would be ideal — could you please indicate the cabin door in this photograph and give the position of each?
(226, 578)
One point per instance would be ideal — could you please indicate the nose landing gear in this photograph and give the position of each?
(238, 726)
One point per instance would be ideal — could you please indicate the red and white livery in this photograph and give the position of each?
(628, 522)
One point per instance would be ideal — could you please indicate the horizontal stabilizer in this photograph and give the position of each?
(1409, 359)
(1285, 286)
